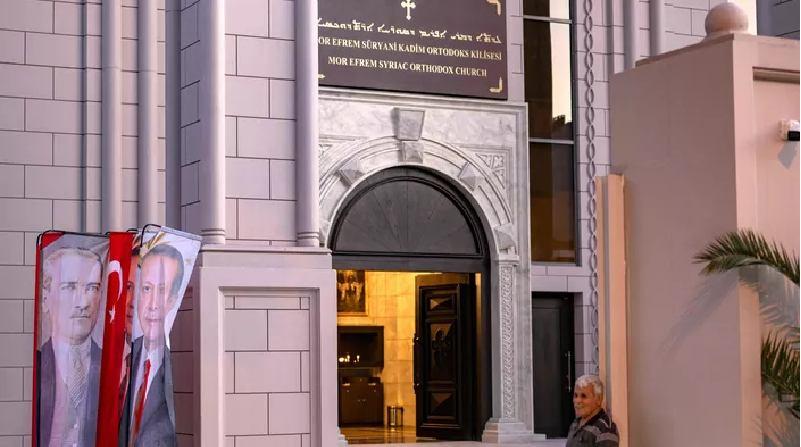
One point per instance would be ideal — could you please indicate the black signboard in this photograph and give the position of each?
(451, 47)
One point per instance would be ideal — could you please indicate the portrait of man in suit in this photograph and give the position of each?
(127, 354)
(69, 361)
(152, 421)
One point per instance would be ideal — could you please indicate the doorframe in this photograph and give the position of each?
(481, 148)
(572, 297)
(438, 263)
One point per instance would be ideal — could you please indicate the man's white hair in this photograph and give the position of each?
(595, 381)
(51, 261)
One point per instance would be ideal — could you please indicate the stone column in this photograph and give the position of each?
(306, 128)
(507, 426)
(147, 211)
(212, 121)
(111, 117)
(173, 114)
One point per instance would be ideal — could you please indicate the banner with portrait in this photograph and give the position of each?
(104, 309)
(165, 262)
(68, 340)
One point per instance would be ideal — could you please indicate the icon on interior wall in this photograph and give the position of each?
(351, 297)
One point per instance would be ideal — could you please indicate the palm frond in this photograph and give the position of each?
(780, 368)
(744, 248)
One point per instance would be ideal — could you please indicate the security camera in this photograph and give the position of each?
(789, 130)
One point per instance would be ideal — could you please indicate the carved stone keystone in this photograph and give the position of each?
(412, 151)
(408, 123)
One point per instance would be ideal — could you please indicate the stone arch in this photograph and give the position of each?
(343, 167)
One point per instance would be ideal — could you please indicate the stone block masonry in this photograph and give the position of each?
(266, 372)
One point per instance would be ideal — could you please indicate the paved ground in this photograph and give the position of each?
(405, 437)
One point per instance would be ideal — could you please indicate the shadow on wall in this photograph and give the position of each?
(788, 153)
(779, 427)
(711, 293)
(778, 298)
(779, 306)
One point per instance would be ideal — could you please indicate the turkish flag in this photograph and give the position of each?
(114, 371)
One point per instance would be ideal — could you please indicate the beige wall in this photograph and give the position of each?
(686, 139)
(777, 197)
(391, 304)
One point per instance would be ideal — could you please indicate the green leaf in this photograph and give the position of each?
(746, 248)
(780, 368)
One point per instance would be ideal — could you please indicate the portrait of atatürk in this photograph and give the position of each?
(351, 297)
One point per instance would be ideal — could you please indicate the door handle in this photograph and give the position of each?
(569, 356)
(416, 357)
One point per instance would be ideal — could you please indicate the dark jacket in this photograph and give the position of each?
(158, 416)
(599, 431)
(46, 397)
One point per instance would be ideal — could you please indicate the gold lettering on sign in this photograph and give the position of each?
(497, 3)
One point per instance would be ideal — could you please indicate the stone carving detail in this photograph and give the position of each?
(408, 123)
(505, 236)
(497, 163)
(351, 171)
(412, 151)
(470, 176)
(507, 341)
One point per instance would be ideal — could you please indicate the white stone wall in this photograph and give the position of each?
(48, 124)
(266, 372)
(190, 115)
(684, 22)
(514, 50)
(260, 121)
(50, 160)
(182, 350)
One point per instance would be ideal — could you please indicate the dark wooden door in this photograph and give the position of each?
(444, 364)
(553, 362)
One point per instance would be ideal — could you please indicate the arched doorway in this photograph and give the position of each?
(406, 221)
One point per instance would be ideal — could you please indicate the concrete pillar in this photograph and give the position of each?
(657, 26)
(632, 29)
(212, 121)
(306, 129)
(111, 116)
(173, 114)
(147, 141)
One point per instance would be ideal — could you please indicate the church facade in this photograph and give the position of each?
(216, 117)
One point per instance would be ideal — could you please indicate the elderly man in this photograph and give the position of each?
(69, 362)
(592, 427)
(153, 418)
